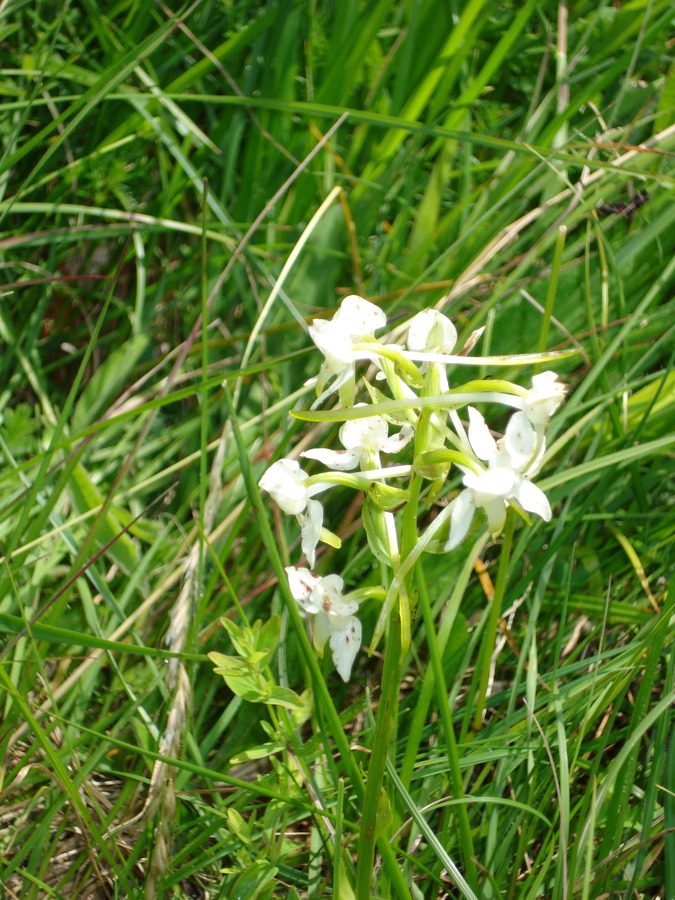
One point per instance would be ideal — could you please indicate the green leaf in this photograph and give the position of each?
(247, 686)
(253, 880)
(238, 825)
(108, 381)
(281, 696)
(260, 751)
(19, 425)
(268, 638)
(655, 403)
(666, 102)
(87, 497)
(225, 663)
(241, 641)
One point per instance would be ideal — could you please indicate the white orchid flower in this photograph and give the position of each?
(356, 319)
(286, 483)
(432, 332)
(543, 398)
(363, 440)
(511, 463)
(334, 618)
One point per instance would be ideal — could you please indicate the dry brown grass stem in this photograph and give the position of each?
(161, 797)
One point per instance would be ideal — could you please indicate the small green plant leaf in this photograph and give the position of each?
(239, 825)
(281, 696)
(268, 638)
(254, 879)
(260, 751)
(87, 497)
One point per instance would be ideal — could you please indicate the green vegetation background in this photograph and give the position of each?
(171, 215)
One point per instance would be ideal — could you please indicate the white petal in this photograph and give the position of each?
(534, 500)
(345, 645)
(367, 434)
(302, 583)
(546, 384)
(545, 396)
(362, 317)
(535, 463)
(497, 482)
(284, 482)
(311, 530)
(482, 442)
(327, 595)
(431, 332)
(398, 441)
(342, 460)
(333, 603)
(332, 583)
(460, 519)
(334, 340)
(520, 441)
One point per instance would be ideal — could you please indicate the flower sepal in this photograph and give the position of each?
(376, 533)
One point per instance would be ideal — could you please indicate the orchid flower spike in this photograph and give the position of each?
(363, 440)
(510, 464)
(334, 618)
(285, 482)
(356, 320)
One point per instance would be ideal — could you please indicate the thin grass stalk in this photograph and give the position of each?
(428, 683)
(552, 290)
(466, 840)
(669, 804)
(563, 90)
(465, 889)
(618, 806)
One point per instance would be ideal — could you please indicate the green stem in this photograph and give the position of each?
(466, 841)
(322, 694)
(372, 805)
(489, 637)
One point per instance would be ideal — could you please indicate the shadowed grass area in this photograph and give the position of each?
(181, 192)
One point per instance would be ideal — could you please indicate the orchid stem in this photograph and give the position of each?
(490, 635)
(373, 808)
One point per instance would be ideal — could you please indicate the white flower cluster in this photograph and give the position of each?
(496, 474)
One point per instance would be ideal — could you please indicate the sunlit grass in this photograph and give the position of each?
(139, 147)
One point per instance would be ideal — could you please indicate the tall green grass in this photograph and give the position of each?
(172, 214)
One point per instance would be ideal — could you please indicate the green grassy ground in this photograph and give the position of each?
(180, 193)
